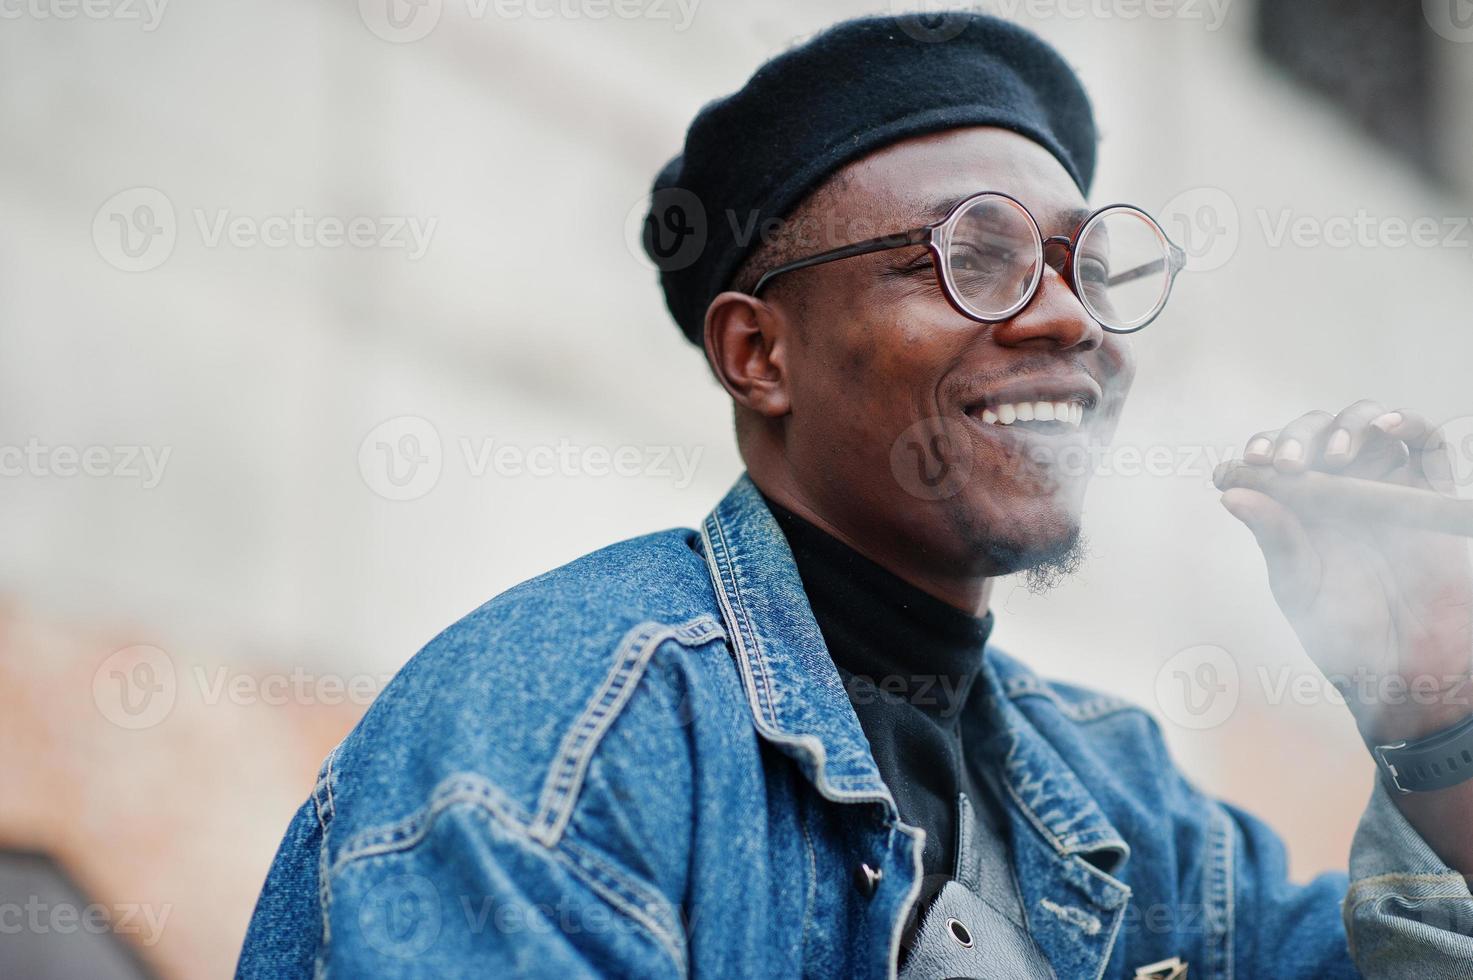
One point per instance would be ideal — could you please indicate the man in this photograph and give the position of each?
(778, 746)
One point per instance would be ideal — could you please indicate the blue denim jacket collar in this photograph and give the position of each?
(1041, 782)
(799, 704)
(797, 699)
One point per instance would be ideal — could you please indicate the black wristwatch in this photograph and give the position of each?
(1435, 762)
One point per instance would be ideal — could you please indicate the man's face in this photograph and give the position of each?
(889, 384)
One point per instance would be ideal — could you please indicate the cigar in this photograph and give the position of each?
(1315, 494)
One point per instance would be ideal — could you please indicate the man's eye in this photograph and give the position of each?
(1092, 272)
(916, 267)
(964, 256)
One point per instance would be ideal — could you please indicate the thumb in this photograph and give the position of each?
(1293, 563)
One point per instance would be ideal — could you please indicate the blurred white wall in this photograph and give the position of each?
(523, 144)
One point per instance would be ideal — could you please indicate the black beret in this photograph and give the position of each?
(751, 158)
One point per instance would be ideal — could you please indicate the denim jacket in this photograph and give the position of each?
(643, 764)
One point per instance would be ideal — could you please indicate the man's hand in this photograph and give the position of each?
(1385, 611)
(1385, 608)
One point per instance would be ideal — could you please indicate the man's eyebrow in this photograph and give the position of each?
(937, 208)
(1070, 220)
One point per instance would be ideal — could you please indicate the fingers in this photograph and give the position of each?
(1295, 446)
(1362, 440)
(1293, 563)
(1428, 448)
(1353, 428)
(1260, 448)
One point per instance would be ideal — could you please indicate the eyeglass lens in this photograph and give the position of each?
(994, 256)
(1121, 262)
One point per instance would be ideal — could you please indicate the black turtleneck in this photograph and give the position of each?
(910, 663)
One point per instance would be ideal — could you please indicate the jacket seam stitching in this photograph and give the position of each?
(1032, 818)
(564, 779)
(638, 901)
(1119, 916)
(1408, 877)
(1092, 710)
(1232, 902)
(325, 806)
(811, 890)
(1117, 913)
(1071, 843)
(662, 936)
(748, 656)
(1220, 860)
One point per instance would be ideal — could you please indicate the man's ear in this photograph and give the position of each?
(747, 344)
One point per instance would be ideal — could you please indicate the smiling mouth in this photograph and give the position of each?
(1035, 416)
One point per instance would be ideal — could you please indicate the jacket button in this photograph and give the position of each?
(867, 879)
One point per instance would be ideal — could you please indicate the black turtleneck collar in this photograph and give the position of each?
(881, 630)
(909, 662)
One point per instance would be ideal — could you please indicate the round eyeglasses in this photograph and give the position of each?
(990, 255)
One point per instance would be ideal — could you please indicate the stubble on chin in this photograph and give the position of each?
(1045, 560)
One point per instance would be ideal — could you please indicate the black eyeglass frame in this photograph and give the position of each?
(936, 237)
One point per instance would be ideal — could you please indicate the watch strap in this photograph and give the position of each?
(1436, 762)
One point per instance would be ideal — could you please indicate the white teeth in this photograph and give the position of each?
(1071, 413)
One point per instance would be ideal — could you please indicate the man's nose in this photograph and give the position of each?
(1056, 317)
